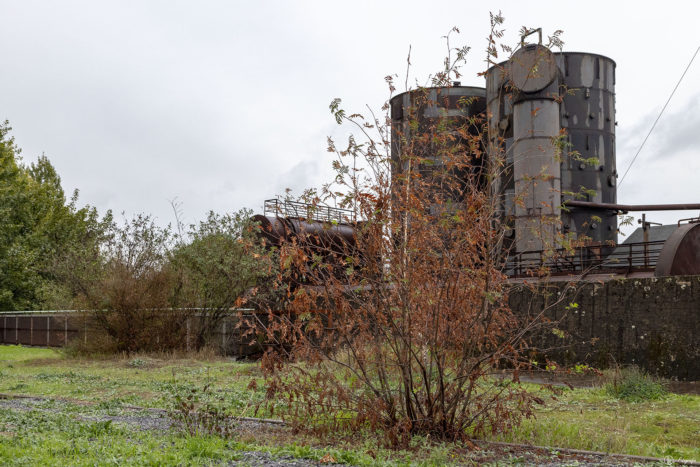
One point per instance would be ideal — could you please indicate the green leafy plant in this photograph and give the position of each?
(632, 385)
(583, 369)
(137, 363)
(220, 265)
(197, 414)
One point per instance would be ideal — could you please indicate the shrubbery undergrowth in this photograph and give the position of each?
(632, 385)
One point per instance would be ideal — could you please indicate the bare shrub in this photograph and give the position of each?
(400, 329)
(196, 414)
(151, 290)
(127, 285)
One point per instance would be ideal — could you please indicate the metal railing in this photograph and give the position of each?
(688, 220)
(592, 259)
(286, 208)
(39, 312)
(57, 328)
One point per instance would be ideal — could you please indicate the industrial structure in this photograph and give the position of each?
(551, 120)
(551, 132)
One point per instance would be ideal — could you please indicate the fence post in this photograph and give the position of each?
(223, 336)
(16, 329)
(646, 254)
(4, 329)
(187, 335)
(629, 258)
(48, 331)
(65, 331)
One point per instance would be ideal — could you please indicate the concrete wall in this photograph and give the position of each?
(650, 322)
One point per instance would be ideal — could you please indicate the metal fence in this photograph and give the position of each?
(624, 259)
(58, 328)
(42, 328)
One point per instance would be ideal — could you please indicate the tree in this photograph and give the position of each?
(220, 265)
(126, 284)
(406, 336)
(37, 226)
(150, 289)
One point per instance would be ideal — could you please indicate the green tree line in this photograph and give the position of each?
(37, 225)
(57, 255)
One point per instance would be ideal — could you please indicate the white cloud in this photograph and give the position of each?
(224, 104)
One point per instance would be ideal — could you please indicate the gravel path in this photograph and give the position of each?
(158, 420)
(490, 453)
(254, 458)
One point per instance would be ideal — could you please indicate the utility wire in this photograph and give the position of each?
(657, 118)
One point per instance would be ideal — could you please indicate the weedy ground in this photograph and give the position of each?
(96, 411)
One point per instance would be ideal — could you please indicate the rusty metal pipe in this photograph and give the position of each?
(632, 207)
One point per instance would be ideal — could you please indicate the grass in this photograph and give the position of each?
(62, 433)
(632, 385)
(40, 437)
(141, 381)
(9, 354)
(591, 419)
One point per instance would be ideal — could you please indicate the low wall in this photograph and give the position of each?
(57, 329)
(651, 322)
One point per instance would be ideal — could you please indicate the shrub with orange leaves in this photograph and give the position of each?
(401, 329)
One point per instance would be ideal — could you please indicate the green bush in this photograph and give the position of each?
(632, 385)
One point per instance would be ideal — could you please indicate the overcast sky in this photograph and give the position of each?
(223, 104)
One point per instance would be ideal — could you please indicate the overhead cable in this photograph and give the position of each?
(657, 118)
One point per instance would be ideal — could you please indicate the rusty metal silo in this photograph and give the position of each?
(536, 168)
(588, 115)
(583, 89)
(417, 113)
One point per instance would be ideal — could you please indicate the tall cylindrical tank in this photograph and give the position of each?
(589, 171)
(417, 113)
(536, 168)
(586, 96)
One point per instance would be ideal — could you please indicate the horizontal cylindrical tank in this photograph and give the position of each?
(330, 241)
(680, 255)
(323, 235)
